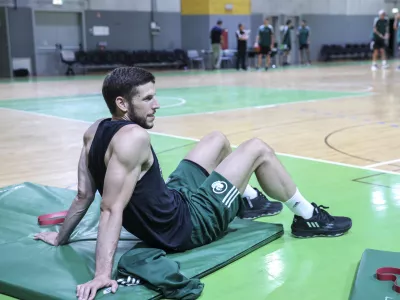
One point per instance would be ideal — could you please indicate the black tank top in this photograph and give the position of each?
(155, 214)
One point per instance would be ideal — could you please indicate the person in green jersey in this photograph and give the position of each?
(265, 41)
(381, 35)
(287, 41)
(303, 35)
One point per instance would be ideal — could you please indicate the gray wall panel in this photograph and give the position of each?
(195, 32)
(170, 35)
(4, 50)
(329, 29)
(128, 30)
(21, 34)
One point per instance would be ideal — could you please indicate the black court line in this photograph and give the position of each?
(327, 143)
(361, 180)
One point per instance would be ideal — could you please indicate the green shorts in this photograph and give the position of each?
(212, 200)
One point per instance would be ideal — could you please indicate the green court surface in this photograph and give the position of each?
(288, 268)
(176, 101)
(321, 268)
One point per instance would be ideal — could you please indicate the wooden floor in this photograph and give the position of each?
(360, 130)
(335, 127)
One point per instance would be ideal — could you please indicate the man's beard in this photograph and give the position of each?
(139, 121)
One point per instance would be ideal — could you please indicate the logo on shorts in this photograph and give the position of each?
(219, 187)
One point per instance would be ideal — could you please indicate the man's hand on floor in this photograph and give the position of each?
(48, 237)
(88, 290)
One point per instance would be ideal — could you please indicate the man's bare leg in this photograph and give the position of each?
(259, 60)
(383, 58)
(210, 152)
(256, 156)
(374, 59)
(267, 61)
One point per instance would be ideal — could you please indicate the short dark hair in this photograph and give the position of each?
(219, 22)
(123, 82)
(288, 22)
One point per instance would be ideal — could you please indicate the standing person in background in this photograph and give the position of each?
(381, 34)
(287, 41)
(304, 42)
(265, 40)
(242, 36)
(396, 25)
(216, 43)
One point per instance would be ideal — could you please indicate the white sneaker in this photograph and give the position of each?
(374, 68)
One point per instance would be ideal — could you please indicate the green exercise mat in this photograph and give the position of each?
(366, 286)
(31, 269)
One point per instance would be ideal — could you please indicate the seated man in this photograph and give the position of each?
(194, 206)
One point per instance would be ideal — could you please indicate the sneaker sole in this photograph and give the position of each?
(261, 215)
(317, 235)
(311, 234)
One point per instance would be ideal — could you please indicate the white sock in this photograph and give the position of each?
(250, 193)
(384, 62)
(300, 206)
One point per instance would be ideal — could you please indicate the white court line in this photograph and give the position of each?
(383, 163)
(292, 156)
(234, 146)
(267, 106)
(180, 103)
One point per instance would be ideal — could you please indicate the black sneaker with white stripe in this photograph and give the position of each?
(260, 207)
(320, 224)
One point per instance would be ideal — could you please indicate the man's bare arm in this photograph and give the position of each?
(81, 203)
(130, 151)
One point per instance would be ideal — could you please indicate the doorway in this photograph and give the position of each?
(53, 29)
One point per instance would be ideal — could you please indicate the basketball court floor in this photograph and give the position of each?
(335, 128)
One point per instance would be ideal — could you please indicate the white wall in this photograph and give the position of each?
(135, 5)
(368, 7)
(326, 7)
(168, 5)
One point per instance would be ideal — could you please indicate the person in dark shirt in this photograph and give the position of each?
(303, 35)
(197, 202)
(216, 43)
(242, 36)
(287, 41)
(380, 35)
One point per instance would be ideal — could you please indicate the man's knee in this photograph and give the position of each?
(218, 137)
(260, 148)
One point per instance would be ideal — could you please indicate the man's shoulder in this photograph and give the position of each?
(129, 142)
(134, 134)
(91, 131)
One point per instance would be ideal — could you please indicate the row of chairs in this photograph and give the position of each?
(108, 59)
(347, 51)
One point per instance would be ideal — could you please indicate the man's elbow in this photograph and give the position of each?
(111, 210)
(84, 199)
